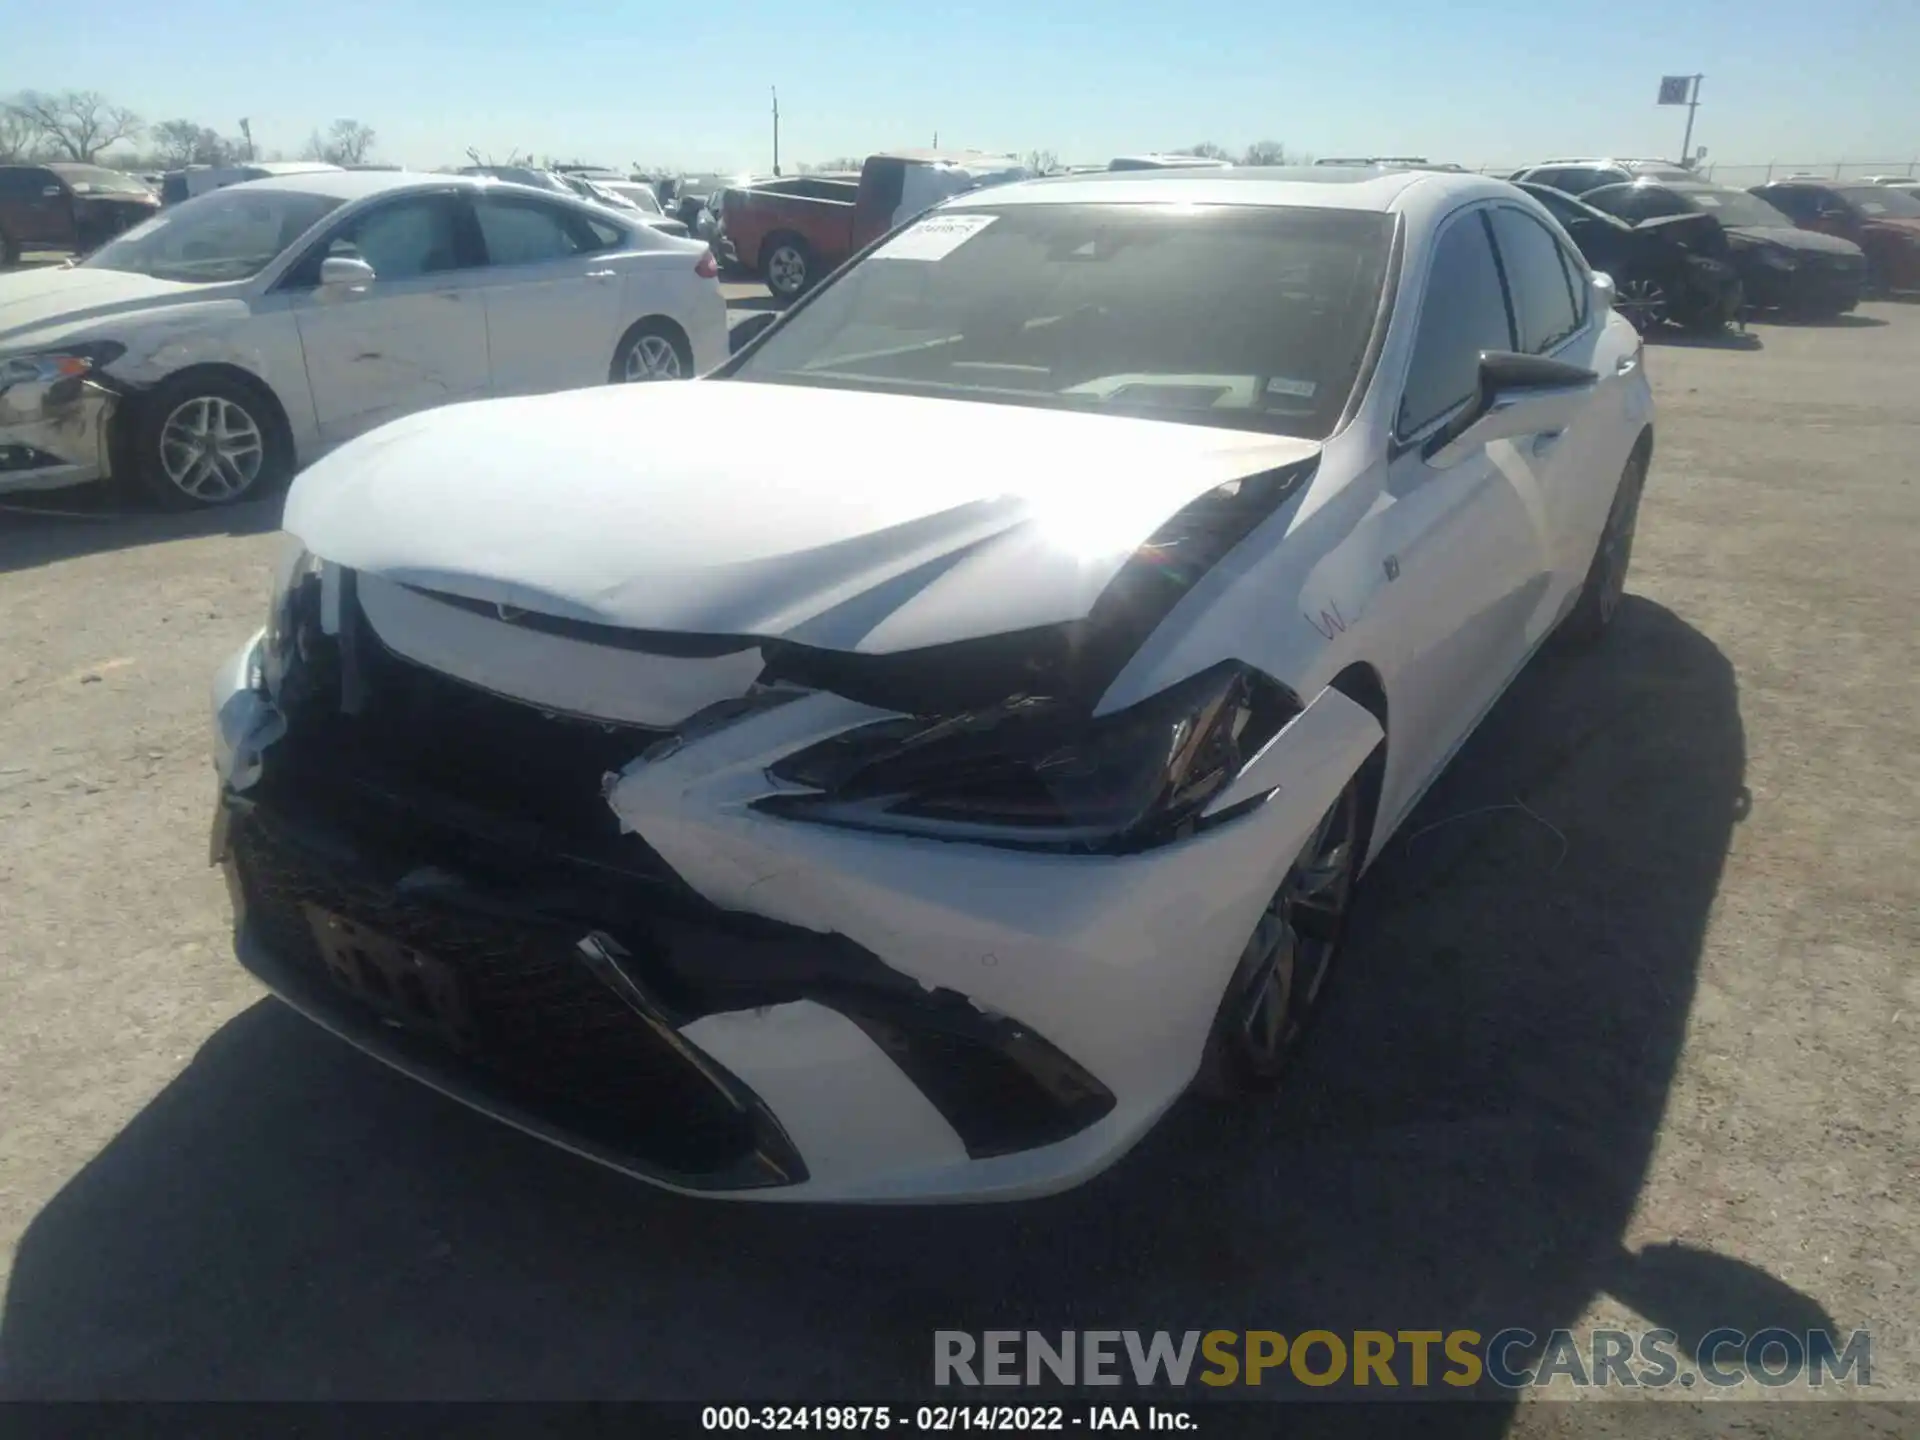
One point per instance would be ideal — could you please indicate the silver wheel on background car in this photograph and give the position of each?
(786, 270)
(1645, 304)
(652, 357)
(211, 449)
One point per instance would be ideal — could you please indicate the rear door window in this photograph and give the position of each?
(25, 182)
(1796, 201)
(530, 232)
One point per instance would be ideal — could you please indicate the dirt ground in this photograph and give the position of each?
(1645, 1055)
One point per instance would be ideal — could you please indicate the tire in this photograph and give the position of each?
(1278, 985)
(654, 349)
(787, 265)
(204, 439)
(1606, 582)
(1645, 302)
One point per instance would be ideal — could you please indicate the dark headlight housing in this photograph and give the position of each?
(1039, 773)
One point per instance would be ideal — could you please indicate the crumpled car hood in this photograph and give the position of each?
(58, 300)
(829, 518)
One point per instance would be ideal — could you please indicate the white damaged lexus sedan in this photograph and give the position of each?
(913, 795)
(206, 354)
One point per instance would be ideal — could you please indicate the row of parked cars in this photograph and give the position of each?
(1686, 251)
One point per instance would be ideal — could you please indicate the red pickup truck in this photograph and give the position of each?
(792, 232)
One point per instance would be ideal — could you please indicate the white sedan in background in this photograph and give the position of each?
(209, 353)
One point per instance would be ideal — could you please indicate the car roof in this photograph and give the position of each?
(1621, 160)
(1657, 182)
(359, 184)
(1314, 186)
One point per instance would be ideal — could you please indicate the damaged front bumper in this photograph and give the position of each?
(54, 433)
(726, 1002)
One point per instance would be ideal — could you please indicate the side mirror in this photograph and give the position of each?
(346, 273)
(1518, 395)
(1605, 292)
(749, 330)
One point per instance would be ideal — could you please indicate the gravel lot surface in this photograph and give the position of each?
(1646, 1054)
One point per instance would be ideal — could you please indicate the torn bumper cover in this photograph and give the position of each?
(600, 933)
(54, 433)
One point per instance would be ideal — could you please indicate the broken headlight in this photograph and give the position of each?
(292, 609)
(1033, 772)
(66, 362)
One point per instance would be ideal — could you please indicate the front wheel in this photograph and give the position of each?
(203, 440)
(1276, 988)
(1606, 582)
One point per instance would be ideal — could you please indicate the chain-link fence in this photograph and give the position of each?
(1758, 173)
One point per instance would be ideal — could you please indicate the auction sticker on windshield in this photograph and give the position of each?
(934, 238)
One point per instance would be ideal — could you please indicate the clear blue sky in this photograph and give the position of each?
(1474, 81)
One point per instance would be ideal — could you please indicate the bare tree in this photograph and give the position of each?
(78, 124)
(347, 142)
(19, 136)
(1042, 162)
(1206, 150)
(1265, 152)
(844, 162)
(183, 142)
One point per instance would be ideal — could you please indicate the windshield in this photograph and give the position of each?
(98, 180)
(1878, 202)
(639, 196)
(1735, 207)
(227, 235)
(1252, 317)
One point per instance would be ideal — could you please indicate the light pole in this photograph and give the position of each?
(1693, 104)
(776, 128)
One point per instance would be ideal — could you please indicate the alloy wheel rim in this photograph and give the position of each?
(211, 449)
(653, 358)
(1291, 951)
(786, 270)
(1644, 303)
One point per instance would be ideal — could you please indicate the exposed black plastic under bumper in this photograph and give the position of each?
(554, 1049)
(610, 1082)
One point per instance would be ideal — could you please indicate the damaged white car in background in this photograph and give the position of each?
(208, 353)
(912, 796)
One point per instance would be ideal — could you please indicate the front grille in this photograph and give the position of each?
(541, 1024)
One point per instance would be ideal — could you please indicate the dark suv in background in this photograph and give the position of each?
(1882, 221)
(1674, 269)
(67, 207)
(1781, 267)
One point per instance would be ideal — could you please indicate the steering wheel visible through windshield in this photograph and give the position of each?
(1244, 316)
(232, 234)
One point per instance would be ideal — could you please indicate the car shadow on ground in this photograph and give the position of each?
(43, 528)
(1461, 1146)
(1726, 338)
(1850, 321)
